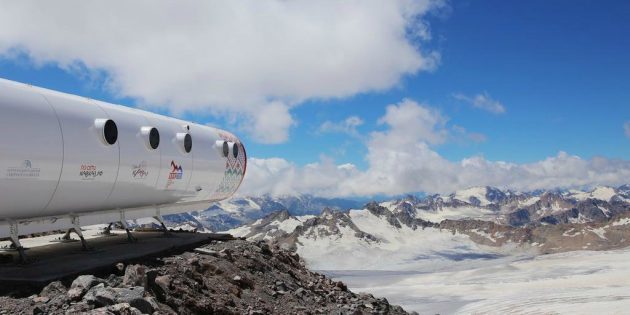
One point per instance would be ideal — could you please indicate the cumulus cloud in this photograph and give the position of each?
(241, 58)
(482, 101)
(626, 128)
(401, 160)
(413, 122)
(348, 126)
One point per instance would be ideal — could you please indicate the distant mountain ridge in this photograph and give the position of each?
(479, 219)
(236, 211)
(504, 207)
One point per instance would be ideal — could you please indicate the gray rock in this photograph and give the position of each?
(206, 251)
(53, 289)
(135, 275)
(113, 281)
(300, 291)
(120, 267)
(126, 295)
(100, 296)
(265, 249)
(41, 299)
(226, 253)
(154, 304)
(162, 284)
(135, 297)
(81, 285)
(117, 309)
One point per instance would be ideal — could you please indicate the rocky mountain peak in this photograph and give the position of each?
(279, 216)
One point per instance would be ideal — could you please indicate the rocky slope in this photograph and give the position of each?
(233, 277)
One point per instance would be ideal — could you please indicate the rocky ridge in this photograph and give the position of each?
(233, 277)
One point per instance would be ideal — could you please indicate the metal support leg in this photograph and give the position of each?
(16, 242)
(130, 237)
(66, 237)
(164, 228)
(108, 230)
(77, 229)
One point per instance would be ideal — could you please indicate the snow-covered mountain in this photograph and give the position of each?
(237, 211)
(518, 209)
(434, 254)
(478, 222)
(481, 203)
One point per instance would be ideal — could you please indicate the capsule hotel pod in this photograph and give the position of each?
(67, 161)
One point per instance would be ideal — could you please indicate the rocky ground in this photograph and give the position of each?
(231, 277)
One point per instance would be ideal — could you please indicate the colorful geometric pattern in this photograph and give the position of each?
(234, 169)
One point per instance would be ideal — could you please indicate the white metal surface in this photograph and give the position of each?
(31, 152)
(90, 166)
(56, 167)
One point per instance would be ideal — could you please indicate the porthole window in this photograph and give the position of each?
(110, 132)
(226, 149)
(107, 130)
(187, 143)
(184, 141)
(151, 137)
(235, 150)
(154, 138)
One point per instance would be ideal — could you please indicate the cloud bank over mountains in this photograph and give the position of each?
(401, 159)
(253, 60)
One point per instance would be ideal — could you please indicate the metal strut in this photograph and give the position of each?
(108, 229)
(15, 240)
(76, 227)
(123, 222)
(164, 228)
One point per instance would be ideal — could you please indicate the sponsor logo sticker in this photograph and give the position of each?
(139, 171)
(176, 173)
(90, 172)
(24, 171)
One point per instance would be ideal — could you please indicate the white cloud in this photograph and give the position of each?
(272, 124)
(411, 122)
(348, 126)
(626, 128)
(400, 160)
(462, 134)
(241, 58)
(482, 101)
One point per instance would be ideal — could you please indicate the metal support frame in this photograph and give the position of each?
(123, 222)
(76, 227)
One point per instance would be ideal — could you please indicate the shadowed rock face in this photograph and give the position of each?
(234, 277)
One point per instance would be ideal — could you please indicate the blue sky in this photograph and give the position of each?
(559, 69)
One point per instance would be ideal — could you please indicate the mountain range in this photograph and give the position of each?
(477, 222)
(504, 207)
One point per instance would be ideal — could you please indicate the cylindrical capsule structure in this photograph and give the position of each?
(65, 155)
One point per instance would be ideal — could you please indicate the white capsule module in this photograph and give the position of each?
(67, 161)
